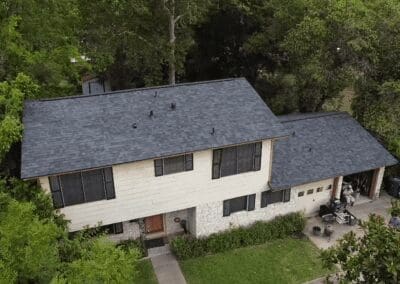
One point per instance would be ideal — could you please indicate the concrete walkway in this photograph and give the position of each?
(166, 266)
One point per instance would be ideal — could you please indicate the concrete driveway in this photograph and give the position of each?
(361, 211)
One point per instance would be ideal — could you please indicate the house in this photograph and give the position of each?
(201, 157)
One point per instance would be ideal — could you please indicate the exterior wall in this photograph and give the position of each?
(140, 194)
(131, 232)
(209, 217)
(172, 227)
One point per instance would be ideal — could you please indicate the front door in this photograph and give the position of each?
(154, 224)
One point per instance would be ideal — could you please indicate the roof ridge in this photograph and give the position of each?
(317, 115)
(141, 89)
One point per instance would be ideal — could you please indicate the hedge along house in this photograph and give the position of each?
(201, 157)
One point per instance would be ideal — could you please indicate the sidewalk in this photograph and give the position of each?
(167, 269)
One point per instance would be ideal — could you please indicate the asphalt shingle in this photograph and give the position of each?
(324, 145)
(75, 133)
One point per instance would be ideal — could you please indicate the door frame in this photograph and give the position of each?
(157, 232)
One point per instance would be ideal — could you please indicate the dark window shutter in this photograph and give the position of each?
(158, 167)
(251, 202)
(257, 156)
(188, 162)
(227, 210)
(109, 183)
(264, 199)
(118, 228)
(286, 195)
(216, 163)
(56, 193)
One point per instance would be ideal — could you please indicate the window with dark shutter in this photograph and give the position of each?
(173, 165)
(245, 158)
(188, 162)
(216, 166)
(118, 228)
(56, 193)
(237, 159)
(158, 167)
(71, 185)
(82, 187)
(270, 197)
(93, 185)
(229, 161)
(251, 202)
(237, 204)
(109, 183)
(257, 156)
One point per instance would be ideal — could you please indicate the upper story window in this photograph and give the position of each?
(237, 159)
(82, 187)
(270, 196)
(173, 165)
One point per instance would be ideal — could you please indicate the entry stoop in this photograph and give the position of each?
(156, 251)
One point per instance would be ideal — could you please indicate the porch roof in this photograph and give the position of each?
(324, 145)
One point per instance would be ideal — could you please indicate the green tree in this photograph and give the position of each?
(371, 258)
(29, 246)
(12, 96)
(101, 262)
(39, 38)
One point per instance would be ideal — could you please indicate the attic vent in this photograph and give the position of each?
(212, 131)
(173, 106)
(151, 114)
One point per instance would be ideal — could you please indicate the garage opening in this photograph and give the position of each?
(362, 186)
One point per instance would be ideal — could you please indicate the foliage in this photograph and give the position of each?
(12, 96)
(371, 258)
(186, 247)
(146, 273)
(101, 262)
(137, 244)
(38, 38)
(28, 245)
(395, 208)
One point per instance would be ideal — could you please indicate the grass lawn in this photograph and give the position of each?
(281, 261)
(146, 273)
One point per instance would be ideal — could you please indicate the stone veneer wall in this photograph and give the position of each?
(209, 217)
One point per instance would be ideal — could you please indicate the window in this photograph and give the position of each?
(243, 203)
(329, 187)
(310, 191)
(82, 187)
(271, 196)
(173, 165)
(300, 194)
(235, 160)
(116, 228)
(319, 189)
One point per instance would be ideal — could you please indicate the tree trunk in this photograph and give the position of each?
(172, 38)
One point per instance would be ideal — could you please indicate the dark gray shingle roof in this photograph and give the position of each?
(75, 133)
(324, 145)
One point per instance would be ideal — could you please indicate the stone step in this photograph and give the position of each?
(159, 251)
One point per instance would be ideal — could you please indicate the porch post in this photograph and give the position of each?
(376, 183)
(337, 187)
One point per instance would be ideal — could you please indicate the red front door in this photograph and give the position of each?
(154, 224)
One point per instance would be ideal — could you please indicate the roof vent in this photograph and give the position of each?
(212, 131)
(293, 133)
(309, 149)
(134, 125)
(151, 114)
(173, 106)
(155, 94)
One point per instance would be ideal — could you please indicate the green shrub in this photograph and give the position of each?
(135, 244)
(186, 246)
